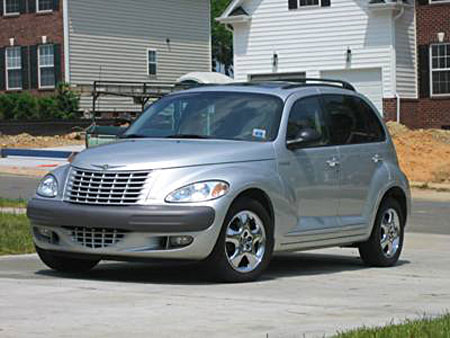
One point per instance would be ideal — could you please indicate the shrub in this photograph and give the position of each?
(64, 104)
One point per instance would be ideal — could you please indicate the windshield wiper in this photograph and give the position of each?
(133, 136)
(194, 136)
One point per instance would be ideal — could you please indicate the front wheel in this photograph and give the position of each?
(65, 264)
(245, 245)
(385, 245)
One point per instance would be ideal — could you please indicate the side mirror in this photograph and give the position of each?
(303, 138)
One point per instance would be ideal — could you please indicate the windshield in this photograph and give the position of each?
(216, 115)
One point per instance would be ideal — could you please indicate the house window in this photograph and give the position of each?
(44, 5)
(14, 68)
(295, 4)
(152, 62)
(440, 69)
(11, 7)
(46, 66)
(303, 3)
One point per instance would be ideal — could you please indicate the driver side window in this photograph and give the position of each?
(307, 114)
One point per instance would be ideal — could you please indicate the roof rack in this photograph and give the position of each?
(323, 82)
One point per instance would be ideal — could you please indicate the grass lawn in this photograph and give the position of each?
(15, 237)
(8, 203)
(425, 328)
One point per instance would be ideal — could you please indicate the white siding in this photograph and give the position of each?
(405, 43)
(109, 41)
(314, 40)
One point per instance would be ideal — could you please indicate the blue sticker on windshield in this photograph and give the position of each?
(259, 133)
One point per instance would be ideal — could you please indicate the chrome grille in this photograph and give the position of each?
(105, 187)
(96, 238)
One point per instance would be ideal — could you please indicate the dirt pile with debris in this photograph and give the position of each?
(424, 154)
(28, 141)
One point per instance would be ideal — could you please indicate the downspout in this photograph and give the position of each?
(397, 95)
(66, 41)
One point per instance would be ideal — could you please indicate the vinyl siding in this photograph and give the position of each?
(109, 39)
(405, 45)
(315, 40)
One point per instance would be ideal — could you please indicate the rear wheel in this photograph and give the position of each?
(245, 245)
(385, 245)
(65, 264)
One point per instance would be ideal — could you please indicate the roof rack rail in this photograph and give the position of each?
(329, 82)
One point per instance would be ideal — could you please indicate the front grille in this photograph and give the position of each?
(96, 238)
(104, 187)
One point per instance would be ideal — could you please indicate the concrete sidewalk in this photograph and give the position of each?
(302, 294)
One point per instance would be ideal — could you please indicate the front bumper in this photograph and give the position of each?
(144, 230)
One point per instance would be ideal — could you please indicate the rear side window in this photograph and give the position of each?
(352, 120)
(307, 114)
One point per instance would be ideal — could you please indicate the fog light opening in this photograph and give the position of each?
(180, 241)
(46, 235)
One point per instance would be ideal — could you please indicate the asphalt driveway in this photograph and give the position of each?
(302, 294)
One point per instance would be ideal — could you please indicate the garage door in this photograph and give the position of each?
(366, 81)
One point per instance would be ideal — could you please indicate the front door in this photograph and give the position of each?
(311, 172)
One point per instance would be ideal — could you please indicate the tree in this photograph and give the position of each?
(222, 39)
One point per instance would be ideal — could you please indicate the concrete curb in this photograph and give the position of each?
(13, 211)
(444, 187)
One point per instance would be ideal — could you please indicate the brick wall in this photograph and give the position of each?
(422, 113)
(28, 29)
(430, 112)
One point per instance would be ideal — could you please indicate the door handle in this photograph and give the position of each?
(333, 162)
(377, 158)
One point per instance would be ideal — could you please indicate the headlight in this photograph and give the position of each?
(48, 186)
(199, 192)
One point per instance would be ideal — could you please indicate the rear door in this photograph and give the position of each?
(360, 138)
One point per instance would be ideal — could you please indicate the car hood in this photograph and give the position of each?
(162, 154)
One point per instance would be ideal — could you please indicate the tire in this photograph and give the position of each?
(385, 244)
(248, 224)
(65, 264)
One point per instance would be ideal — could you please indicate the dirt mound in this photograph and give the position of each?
(424, 154)
(28, 141)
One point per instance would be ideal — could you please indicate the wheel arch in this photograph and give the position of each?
(260, 196)
(399, 195)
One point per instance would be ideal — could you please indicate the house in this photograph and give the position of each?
(43, 42)
(380, 46)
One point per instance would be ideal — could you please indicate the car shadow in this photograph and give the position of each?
(281, 266)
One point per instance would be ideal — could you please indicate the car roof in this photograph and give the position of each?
(282, 89)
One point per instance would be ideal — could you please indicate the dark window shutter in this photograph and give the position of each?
(23, 6)
(293, 4)
(58, 70)
(2, 69)
(31, 6)
(56, 5)
(326, 3)
(25, 68)
(1, 8)
(34, 67)
(424, 71)
(423, 2)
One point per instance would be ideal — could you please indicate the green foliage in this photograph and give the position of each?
(222, 39)
(64, 105)
(12, 203)
(67, 101)
(425, 328)
(15, 236)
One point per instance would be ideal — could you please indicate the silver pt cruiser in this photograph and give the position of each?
(230, 175)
